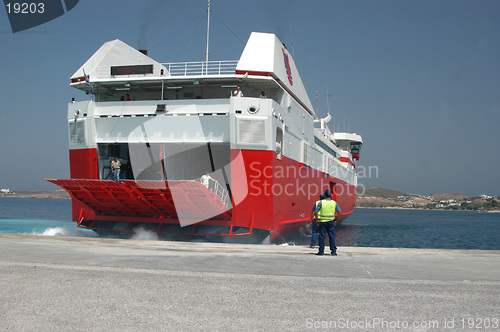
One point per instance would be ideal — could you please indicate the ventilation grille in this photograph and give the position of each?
(251, 131)
(77, 132)
(306, 153)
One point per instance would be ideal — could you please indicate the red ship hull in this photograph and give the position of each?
(269, 197)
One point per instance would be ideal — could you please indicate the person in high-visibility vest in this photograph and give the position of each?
(314, 222)
(327, 213)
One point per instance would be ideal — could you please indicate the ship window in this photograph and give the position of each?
(131, 70)
(279, 143)
(325, 147)
(355, 147)
(77, 132)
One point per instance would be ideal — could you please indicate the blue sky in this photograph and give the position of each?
(418, 79)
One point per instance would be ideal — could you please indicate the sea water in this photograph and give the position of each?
(433, 229)
(38, 216)
(390, 228)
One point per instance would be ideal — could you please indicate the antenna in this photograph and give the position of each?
(317, 108)
(208, 34)
(327, 102)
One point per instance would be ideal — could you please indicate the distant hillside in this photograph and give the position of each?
(384, 198)
(391, 194)
(448, 196)
(60, 194)
(381, 192)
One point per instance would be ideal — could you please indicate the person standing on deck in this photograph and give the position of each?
(238, 92)
(328, 213)
(115, 169)
(205, 179)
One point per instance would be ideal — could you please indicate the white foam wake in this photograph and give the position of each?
(143, 234)
(59, 231)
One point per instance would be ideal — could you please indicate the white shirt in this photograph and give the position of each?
(205, 179)
(115, 164)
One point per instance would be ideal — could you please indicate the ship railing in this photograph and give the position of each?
(201, 68)
(219, 191)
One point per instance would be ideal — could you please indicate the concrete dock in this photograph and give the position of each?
(92, 284)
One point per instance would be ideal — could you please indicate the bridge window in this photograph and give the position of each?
(355, 147)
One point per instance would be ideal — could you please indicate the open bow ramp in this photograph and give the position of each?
(188, 202)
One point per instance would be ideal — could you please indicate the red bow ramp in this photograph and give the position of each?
(188, 201)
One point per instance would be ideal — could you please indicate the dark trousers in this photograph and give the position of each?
(314, 234)
(324, 228)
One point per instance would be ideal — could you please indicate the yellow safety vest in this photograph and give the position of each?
(315, 206)
(327, 211)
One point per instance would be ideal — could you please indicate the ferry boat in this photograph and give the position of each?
(266, 152)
